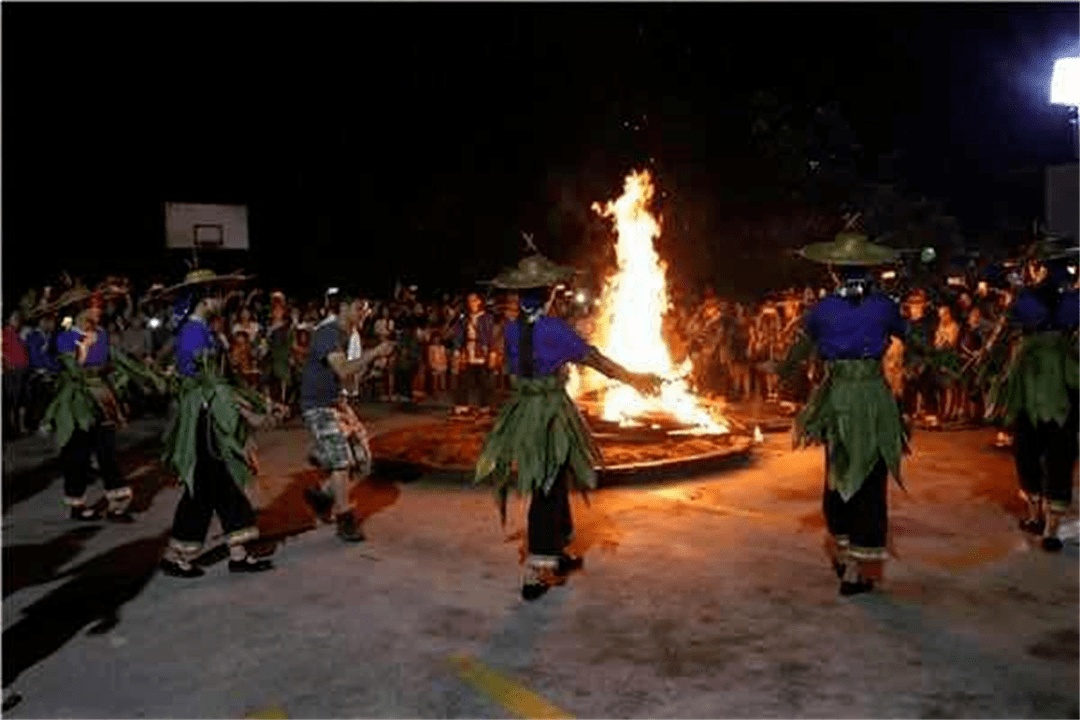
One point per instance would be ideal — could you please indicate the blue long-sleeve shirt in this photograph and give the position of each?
(554, 344)
(37, 344)
(193, 340)
(1033, 314)
(96, 356)
(846, 331)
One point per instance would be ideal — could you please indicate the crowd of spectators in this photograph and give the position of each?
(266, 337)
(449, 348)
(942, 371)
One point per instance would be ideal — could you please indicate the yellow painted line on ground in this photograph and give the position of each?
(274, 712)
(513, 696)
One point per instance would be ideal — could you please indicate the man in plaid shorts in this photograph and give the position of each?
(340, 439)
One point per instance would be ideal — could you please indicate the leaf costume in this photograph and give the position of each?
(853, 411)
(538, 431)
(209, 391)
(85, 411)
(540, 444)
(1037, 396)
(207, 444)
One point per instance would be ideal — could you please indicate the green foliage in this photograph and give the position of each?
(127, 370)
(854, 414)
(229, 431)
(73, 405)
(539, 430)
(1042, 375)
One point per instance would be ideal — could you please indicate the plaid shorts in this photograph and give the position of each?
(341, 441)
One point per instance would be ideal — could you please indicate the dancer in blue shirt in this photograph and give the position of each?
(852, 412)
(86, 411)
(1037, 394)
(206, 442)
(539, 430)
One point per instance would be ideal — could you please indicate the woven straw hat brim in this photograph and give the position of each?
(74, 298)
(40, 311)
(1052, 251)
(533, 272)
(833, 253)
(233, 279)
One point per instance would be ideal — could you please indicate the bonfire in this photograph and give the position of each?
(629, 326)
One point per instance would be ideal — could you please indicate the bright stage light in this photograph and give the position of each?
(1065, 84)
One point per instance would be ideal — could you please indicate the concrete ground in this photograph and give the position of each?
(706, 596)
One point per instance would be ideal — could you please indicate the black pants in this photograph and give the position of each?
(474, 379)
(14, 382)
(1045, 455)
(38, 396)
(75, 460)
(404, 377)
(924, 384)
(550, 523)
(215, 492)
(864, 519)
(279, 389)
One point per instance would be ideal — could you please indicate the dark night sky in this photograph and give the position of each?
(419, 139)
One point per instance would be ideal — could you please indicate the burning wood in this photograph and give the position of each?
(629, 328)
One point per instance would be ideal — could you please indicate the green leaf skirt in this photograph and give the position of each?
(1040, 381)
(855, 415)
(73, 405)
(229, 431)
(538, 431)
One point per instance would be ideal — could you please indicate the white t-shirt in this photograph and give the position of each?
(355, 347)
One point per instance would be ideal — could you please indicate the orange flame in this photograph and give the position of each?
(632, 309)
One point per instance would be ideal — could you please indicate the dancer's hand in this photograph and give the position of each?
(647, 384)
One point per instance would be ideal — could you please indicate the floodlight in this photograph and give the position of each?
(1065, 83)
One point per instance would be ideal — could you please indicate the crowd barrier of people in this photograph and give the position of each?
(449, 349)
(956, 347)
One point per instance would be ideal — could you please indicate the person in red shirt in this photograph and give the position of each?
(16, 370)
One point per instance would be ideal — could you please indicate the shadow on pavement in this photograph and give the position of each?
(29, 565)
(289, 514)
(21, 486)
(944, 649)
(149, 485)
(98, 588)
(25, 485)
(399, 471)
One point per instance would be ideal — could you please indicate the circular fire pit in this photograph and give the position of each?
(454, 445)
